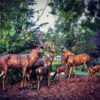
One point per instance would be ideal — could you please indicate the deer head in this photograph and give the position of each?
(68, 52)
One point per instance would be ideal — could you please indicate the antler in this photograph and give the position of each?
(28, 41)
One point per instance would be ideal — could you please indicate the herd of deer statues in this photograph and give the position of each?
(43, 65)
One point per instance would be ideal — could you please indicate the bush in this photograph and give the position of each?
(55, 65)
(12, 77)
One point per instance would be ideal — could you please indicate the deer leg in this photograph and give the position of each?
(2, 73)
(38, 80)
(87, 70)
(4, 77)
(27, 76)
(65, 73)
(92, 76)
(70, 73)
(49, 79)
(59, 76)
(23, 78)
(41, 78)
(74, 71)
(96, 76)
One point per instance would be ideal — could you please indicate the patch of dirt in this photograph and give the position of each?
(58, 90)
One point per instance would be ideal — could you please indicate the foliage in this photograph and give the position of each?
(15, 24)
(13, 76)
(75, 26)
(55, 65)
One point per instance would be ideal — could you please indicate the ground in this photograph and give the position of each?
(58, 90)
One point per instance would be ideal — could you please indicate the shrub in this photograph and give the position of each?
(55, 65)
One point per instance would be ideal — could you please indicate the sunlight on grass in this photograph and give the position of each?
(77, 73)
(81, 73)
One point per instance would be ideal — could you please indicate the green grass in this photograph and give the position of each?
(77, 73)
(81, 73)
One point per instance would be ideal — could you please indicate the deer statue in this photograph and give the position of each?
(59, 70)
(16, 61)
(41, 63)
(73, 60)
(94, 70)
(44, 71)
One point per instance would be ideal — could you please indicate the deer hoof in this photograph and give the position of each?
(68, 80)
(4, 90)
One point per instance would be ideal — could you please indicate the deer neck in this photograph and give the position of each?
(34, 56)
(66, 57)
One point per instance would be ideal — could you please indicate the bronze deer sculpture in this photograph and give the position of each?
(41, 62)
(73, 60)
(59, 70)
(17, 61)
(44, 71)
(94, 70)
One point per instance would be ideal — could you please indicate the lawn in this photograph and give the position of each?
(77, 73)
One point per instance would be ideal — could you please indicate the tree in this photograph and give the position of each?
(15, 26)
(75, 24)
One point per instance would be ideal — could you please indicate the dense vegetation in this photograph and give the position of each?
(78, 21)
(16, 26)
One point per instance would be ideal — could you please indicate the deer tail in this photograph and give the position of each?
(54, 75)
(1, 73)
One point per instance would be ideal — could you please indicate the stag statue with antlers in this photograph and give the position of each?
(17, 61)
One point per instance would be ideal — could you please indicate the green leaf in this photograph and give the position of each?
(12, 33)
(24, 26)
(65, 35)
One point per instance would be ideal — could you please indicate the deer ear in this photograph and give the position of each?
(65, 50)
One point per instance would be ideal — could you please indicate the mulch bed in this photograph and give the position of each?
(58, 90)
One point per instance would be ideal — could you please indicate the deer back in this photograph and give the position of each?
(78, 59)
